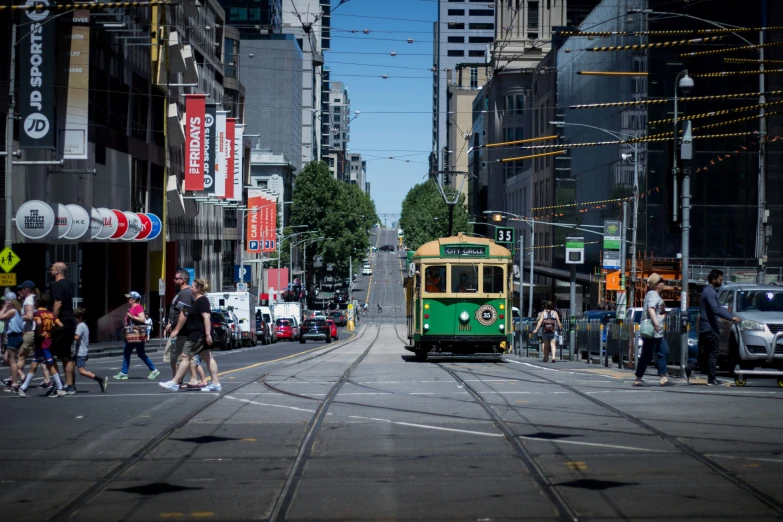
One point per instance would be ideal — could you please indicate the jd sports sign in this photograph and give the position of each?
(37, 71)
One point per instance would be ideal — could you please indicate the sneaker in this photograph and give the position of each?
(46, 384)
(57, 394)
(212, 388)
(169, 385)
(666, 382)
(553, 361)
(20, 392)
(7, 382)
(153, 374)
(716, 382)
(70, 389)
(640, 383)
(103, 384)
(688, 372)
(121, 376)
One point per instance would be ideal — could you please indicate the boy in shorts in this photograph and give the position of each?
(44, 324)
(82, 340)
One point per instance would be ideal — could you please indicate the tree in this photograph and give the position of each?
(425, 215)
(335, 210)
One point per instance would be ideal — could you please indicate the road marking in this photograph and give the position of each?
(613, 446)
(745, 458)
(425, 426)
(270, 405)
(576, 466)
(369, 284)
(104, 395)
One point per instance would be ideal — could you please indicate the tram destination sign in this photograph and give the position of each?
(463, 251)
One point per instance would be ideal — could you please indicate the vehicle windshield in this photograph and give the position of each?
(314, 322)
(281, 322)
(216, 317)
(435, 279)
(464, 279)
(267, 318)
(760, 301)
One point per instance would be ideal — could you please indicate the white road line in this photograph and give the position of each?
(613, 446)
(744, 458)
(270, 405)
(425, 426)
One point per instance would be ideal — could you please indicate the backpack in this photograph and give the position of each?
(549, 323)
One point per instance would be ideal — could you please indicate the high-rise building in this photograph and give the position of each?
(254, 16)
(308, 21)
(463, 33)
(338, 117)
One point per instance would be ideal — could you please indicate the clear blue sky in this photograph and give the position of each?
(384, 128)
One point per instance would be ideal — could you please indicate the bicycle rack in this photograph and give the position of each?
(740, 379)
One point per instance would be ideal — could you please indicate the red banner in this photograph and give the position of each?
(270, 221)
(195, 108)
(230, 132)
(253, 226)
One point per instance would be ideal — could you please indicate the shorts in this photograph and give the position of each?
(174, 347)
(43, 355)
(14, 341)
(195, 347)
(28, 344)
(547, 336)
(62, 342)
(81, 362)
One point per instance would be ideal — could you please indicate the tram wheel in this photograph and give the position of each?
(780, 383)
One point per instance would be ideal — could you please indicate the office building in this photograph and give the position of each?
(254, 16)
(338, 117)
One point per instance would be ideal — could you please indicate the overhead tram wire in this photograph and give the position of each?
(665, 100)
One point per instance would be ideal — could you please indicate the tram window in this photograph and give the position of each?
(493, 279)
(435, 279)
(464, 279)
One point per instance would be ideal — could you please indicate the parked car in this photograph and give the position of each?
(295, 324)
(340, 317)
(366, 270)
(285, 329)
(233, 324)
(221, 332)
(760, 309)
(333, 329)
(263, 333)
(315, 329)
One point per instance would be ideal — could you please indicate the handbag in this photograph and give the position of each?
(135, 334)
(646, 329)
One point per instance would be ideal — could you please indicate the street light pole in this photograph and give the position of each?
(9, 142)
(532, 262)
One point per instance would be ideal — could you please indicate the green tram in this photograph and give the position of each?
(457, 299)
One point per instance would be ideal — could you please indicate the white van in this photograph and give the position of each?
(269, 318)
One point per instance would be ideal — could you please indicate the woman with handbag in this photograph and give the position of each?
(651, 330)
(135, 335)
(549, 323)
(11, 313)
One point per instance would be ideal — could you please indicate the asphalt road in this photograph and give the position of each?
(358, 430)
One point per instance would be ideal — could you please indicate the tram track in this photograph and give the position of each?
(82, 500)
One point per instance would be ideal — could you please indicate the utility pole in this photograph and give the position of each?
(761, 226)
(532, 262)
(9, 142)
(686, 155)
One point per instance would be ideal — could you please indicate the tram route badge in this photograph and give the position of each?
(486, 315)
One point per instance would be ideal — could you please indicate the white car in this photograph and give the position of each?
(366, 270)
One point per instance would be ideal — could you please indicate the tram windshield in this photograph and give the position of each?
(435, 279)
(493, 279)
(464, 279)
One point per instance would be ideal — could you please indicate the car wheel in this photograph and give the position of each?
(328, 339)
(253, 342)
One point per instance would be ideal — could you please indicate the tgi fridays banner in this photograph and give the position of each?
(73, 71)
(239, 156)
(38, 220)
(195, 113)
(261, 222)
(37, 77)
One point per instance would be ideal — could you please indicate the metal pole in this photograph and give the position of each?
(623, 247)
(532, 262)
(291, 262)
(278, 267)
(686, 226)
(242, 246)
(572, 316)
(674, 153)
(761, 233)
(9, 142)
(521, 287)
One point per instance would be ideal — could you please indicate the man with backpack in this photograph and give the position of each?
(548, 322)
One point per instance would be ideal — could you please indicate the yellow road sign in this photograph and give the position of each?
(8, 280)
(8, 259)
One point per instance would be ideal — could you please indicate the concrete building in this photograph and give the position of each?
(309, 21)
(356, 170)
(463, 84)
(254, 16)
(338, 117)
(463, 33)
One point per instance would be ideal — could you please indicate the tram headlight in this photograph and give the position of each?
(502, 326)
(426, 326)
(464, 316)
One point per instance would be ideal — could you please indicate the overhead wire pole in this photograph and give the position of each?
(9, 142)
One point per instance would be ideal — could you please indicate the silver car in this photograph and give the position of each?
(760, 309)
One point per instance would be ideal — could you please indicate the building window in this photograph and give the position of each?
(455, 52)
(474, 77)
(456, 26)
(482, 12)
(456, 12)
(456, 39)
(532, 15)
(476, 54)
(509, 104)
(481, 39)
(482, 26)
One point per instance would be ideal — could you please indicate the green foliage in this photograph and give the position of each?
(425, 215)
(331, 209)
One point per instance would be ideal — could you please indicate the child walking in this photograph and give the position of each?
(82, 340)
(44, 324)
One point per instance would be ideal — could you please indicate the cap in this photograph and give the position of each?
(27, 284)
(9, 296)
(134, 295)
(653, 280)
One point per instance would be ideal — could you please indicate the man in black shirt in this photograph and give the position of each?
(181, 304)
(62, 308)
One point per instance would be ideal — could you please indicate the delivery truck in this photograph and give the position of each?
(243, 304)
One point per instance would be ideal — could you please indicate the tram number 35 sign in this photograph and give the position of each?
(504, 235)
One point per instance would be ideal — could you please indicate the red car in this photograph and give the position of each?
(332, 329)
(285, 330)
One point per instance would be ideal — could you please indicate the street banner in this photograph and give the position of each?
(80, 222)
(220, 159)
(195, 109)
(270, 223)
(239, 154)
(230, 130)
(37, 77)
(122, 224)
(73, 66)
(209, 149)
(253, 226)
(63, 221)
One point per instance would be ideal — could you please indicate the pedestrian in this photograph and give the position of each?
(709, 334)
(548, 322)
(14, 326)
(29, 294)
(148, 324)
(653, 310)
(62, 337)
(135, 317)
(45, 323)
(380, 310)
(180, 305)
(82, 340)
(197, 327)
